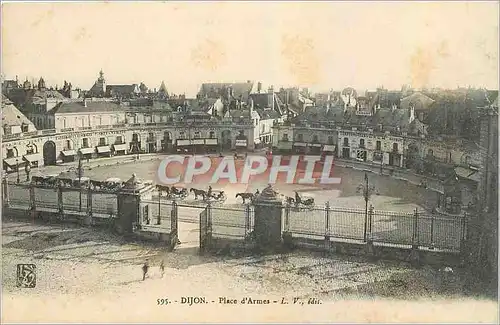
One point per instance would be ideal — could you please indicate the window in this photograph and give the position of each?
(30, 150)
(151, 136)
(24, 127)
(361, 143)
(315, 138)
(102, 141)
(119, 140)
(64, 123)
(346, 142)
(212, 135)
(85, 143)
(68, 145)
(135, 137)
(378, 146)
(300, 137)
(7, 129)
(285, 137)
(430, 152)
(10, 153)
(197, 135)
(330, 140)
(182, 135)
(395, 147)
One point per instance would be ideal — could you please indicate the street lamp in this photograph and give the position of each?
(367, 192)
(17, 170)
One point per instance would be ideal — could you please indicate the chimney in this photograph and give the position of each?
(259, 87)
(270, 90)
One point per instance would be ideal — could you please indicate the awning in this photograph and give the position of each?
(11, 162)
(33, 157)
(198, 141)
(241, 143)
(120, 147)
(86, 151)
(68, 153)
(314, 145)
(300, 144)
(103, 149)
(211, 142)
(328, 147)
(467, 174)
(183, 142)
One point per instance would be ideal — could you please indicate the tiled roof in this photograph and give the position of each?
(239, 113)
(92, 106)
(214, 90)
(267, 114)
(421, 101)
(121, 89)
(12, 116)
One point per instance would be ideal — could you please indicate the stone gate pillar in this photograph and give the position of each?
(131, 206)
(5, 191)
(267, 226)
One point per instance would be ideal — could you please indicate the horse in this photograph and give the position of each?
(198, 192)
(245, 196)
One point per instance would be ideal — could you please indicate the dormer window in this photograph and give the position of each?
(24, 127)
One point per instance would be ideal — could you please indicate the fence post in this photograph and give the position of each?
(209, 226)
(327, 225)
(370, 223)
(60, 206)
(414, 254)
(463, 234)
(5, 189)
(32, 201)
(432, 231)
(89, 206)
(287, 218)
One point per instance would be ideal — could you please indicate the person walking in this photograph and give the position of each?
(145, 269)
(162, 268)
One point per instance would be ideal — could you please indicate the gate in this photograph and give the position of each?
(205, 230)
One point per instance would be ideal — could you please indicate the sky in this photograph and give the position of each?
(320, 45)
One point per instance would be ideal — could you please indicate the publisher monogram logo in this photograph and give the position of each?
(26, 276)
(199, 169)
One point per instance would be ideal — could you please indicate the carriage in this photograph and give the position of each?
(304, 203)
(216, 197)
(172, 193)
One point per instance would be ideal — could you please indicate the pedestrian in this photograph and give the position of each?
(162, 268)
(145, 269)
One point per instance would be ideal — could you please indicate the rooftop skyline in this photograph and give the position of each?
(316, 45)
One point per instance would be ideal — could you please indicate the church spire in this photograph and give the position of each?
(163, 90)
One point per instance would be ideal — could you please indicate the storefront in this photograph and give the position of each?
(314, 148)
(198, 146)
(34, 159)
(212, 145)
(11, 164)
(120, 149)
(68, 155)
(87, 152)
(328, 150)
(299, 147)
(183, 146)
(103, 151)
